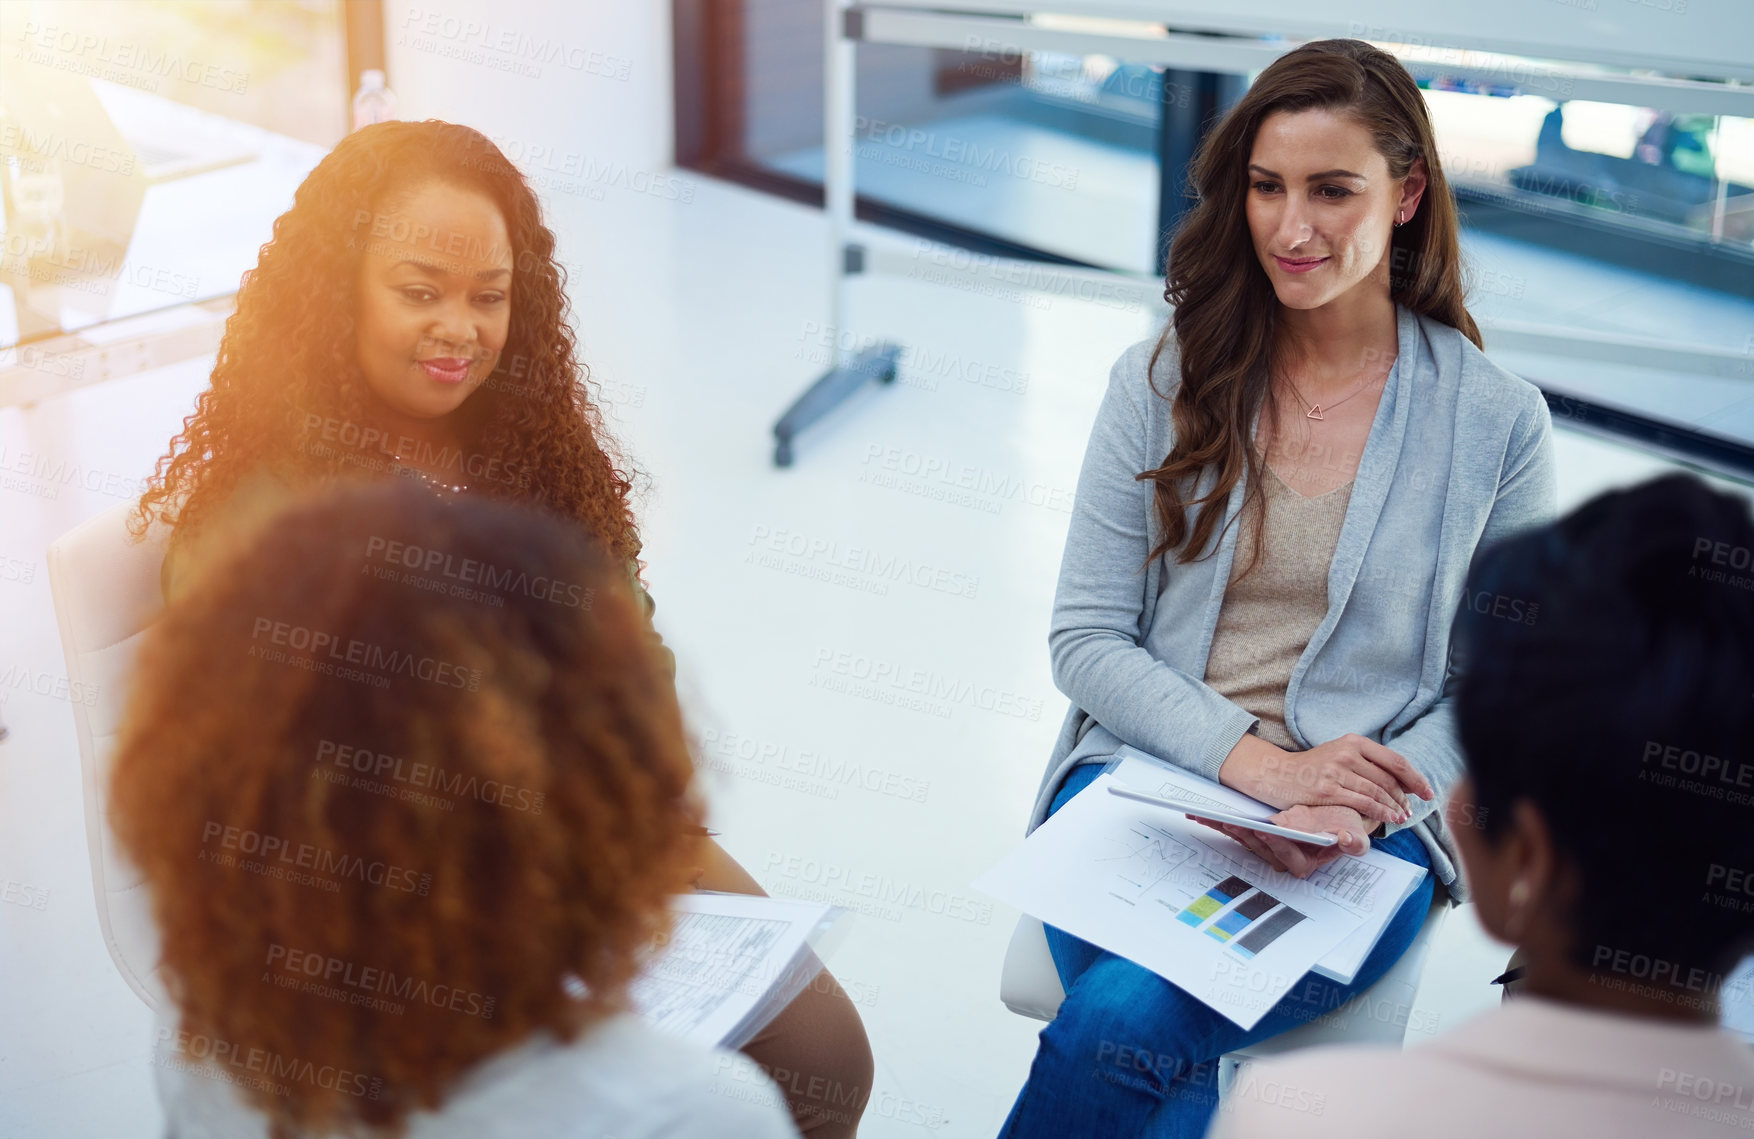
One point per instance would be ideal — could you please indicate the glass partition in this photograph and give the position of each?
(1584, 221)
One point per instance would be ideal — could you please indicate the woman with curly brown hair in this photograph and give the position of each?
(1273, 528)
(409, 318)
(441, 946)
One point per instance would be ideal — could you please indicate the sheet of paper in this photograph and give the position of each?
(1180, 899)
(732, 962)
(1371, 885)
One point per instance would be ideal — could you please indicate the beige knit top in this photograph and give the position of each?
(1268, 617)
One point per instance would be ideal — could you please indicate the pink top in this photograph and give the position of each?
(1534, 1067)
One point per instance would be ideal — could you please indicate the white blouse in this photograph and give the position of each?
(619, 1079)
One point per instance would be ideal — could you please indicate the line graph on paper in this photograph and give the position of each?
(1142, 861)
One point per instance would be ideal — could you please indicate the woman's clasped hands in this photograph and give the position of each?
(1343, 787)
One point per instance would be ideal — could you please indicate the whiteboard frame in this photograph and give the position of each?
(1705, 38)
(892, 24)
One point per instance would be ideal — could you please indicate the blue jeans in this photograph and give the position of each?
(1130, 1054)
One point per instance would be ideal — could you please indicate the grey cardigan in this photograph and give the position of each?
(1460, 455)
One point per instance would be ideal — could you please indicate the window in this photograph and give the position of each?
(147, 144)
(1587, 224)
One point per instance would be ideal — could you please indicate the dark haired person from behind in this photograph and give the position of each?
(1606, 826)
(407, 848)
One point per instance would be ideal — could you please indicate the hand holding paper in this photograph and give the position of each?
(1190, 905)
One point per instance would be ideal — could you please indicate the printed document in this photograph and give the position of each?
(732, 962)
(1372, 885)
(1189, 903)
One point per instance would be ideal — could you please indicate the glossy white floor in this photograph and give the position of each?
(702, 321)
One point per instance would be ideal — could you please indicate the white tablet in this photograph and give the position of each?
(1313, 838)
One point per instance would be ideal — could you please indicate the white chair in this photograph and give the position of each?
(1030, 986)
(106, 593)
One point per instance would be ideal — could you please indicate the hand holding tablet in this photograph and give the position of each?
(1199, 811)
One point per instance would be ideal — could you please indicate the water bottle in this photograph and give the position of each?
(373, 102)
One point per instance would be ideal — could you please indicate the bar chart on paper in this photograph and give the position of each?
(1149, 886)
(1189, 904)
(1145, 873)
(1369, 886)
(1255, 922)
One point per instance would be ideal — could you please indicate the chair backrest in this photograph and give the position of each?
(106, 591)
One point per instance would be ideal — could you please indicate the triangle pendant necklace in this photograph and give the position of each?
(1315, 409)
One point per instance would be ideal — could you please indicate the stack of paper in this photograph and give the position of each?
(1355, 883)
(1189, 903)
(732, 962)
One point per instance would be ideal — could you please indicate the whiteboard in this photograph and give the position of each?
(1696, 38)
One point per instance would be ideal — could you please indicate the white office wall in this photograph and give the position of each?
(560, 84)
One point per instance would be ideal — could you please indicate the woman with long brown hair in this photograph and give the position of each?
(408, 847)
(1274, 522)
(409, 318)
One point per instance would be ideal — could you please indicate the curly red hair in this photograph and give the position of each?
(287, 357)
(540, 857)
